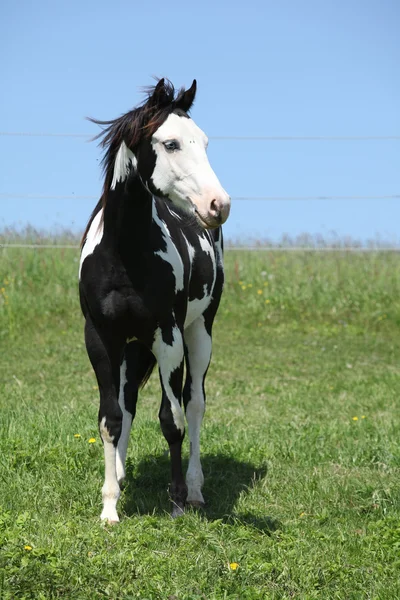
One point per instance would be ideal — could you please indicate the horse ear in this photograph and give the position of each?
(159, 95)
(187, 98)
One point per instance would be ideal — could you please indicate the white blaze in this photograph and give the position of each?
(185, 174)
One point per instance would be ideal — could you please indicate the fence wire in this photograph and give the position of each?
(250, 138)
(342, 249)
(16, 196)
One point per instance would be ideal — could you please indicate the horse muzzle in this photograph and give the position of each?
(216, 214)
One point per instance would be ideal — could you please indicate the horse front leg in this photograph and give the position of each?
(198, 355)
(168, 349)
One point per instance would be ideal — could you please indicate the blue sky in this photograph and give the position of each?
(264, 68)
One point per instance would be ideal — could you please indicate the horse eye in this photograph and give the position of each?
(171, 145)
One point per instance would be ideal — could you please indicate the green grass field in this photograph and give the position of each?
(301, 444)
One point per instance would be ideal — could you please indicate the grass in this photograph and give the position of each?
(301, 445)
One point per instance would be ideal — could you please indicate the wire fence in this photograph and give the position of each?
(265, 138)
(250, 138)
(16, 196)
(231, 248)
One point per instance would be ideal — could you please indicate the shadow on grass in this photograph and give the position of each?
(146, 489)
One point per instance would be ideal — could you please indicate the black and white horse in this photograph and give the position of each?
(151, 277)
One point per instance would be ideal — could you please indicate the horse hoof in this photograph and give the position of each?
(110, 519)
(196, 504)
(177, 511)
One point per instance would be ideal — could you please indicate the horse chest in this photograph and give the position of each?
(195, 278)
(192, 265)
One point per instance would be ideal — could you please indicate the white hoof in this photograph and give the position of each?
(110, 515)
(195, 503)
(195, 498)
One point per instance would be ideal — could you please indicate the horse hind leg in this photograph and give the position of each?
(198, 355)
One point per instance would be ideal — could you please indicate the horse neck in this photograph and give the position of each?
(128, 215)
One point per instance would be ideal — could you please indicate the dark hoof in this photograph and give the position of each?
(196, 504)
(178, 510)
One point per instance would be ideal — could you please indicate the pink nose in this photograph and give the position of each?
(219, 209)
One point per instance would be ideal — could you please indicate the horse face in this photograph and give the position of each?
(180, 170)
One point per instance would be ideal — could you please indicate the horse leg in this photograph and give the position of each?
(198, 355)
(170, 355)
(106, 367)
(137, 362)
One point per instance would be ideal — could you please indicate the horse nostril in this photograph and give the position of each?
(215, 208)
(219, 209)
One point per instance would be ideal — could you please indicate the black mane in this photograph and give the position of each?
(141, 122)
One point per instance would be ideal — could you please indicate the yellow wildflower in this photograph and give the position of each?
(355, 418)
(77, 435)
(233, 566)
(259, 292)
(28, 548)
(303, 514)
(267, 301)
(244, 287)
(92, 440)
(363, 417)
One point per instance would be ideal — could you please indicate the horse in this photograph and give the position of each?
(150, 281)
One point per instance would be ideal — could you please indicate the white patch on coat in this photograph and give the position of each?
(171, 254)
(185, 175)
(122, 165)
(208, 247)
(197, 306)
(110, 490)
(173, 213)
(93, 238)
(198, 343)
(169, 358)
(126, 426)
(191, 250)
(191, 253)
